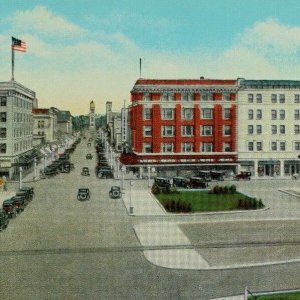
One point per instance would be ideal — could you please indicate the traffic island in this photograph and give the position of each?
(217, 199)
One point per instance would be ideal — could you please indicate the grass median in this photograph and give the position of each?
(205, 201)
(283, 296)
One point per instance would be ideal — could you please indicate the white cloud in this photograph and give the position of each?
(42, 20)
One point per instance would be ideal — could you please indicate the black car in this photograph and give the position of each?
(162, 182)
(217, 175)
(115, 192)
(198, 183)
(50, 171)
(83, 194)
(4, 220)
(28, 189)
(25, 195)
(10, 208)
(85, 171)
(89, 156)
(205, 175)
(181, 182)
(243, 175)
(105, 172)
(19, 202)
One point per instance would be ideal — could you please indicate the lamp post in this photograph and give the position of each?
(130, 206)
(149, 183)
(118, 167)
(20, 177)
(34, 169)
(123, 169)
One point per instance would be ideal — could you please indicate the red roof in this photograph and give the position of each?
(40, 111)
(186, 82)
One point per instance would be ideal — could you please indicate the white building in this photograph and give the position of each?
(16, 125)
(269, 127)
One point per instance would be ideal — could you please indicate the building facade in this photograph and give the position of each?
(183, 123)
(16, 127)
(44, 126)
(269, 127)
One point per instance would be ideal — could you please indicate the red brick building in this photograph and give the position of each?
(183, 122)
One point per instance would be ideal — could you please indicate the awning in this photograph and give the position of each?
(268, 162)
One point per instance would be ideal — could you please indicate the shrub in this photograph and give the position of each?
(216, 189)
(260, 204)
(225, 189)
(232, 189)
(155, 189)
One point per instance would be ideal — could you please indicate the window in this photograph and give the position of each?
(147, 113)
(250, 114)
(187, 113)
(3, 101)
(297, 114)
(259, 146)
(187, 130)
(297, 129)
(274, 98)
(250, 129)
(297, 146)
(274, 129)
(226, 147)
(3, 133)
(273, 114)
(41, 124)
(297, 98)
(147, 148)
(274, 146)
(186, 97)
(282, 114)
(226, 97)
(250, 146)
(146, 97)
(207, 113)
(147, 130)
(258, 129)
(206, 130)
(259, 114)
(250, 98)
(282, 129)
(168, 113)
(207, 147)
(164, 97)
(258, 98)
(281, 98)
(187, 147)
(168, 131)
(204, 97)
(167, 147)
(3, 117)
(2, 148)
(226, 130)
(282, 146)
(226, 114)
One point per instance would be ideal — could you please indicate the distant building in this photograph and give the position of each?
(108, 112)
(44, 126)
(16, 124)
(92, 116)
(64, 123)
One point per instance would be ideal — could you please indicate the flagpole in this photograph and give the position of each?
(12, 64)
(140, 68)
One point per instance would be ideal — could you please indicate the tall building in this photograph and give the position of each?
(183, 123)
(16, 124)
(108, 112)
(92, 116)
(269, 127)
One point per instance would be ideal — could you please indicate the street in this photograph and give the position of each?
(61, 248)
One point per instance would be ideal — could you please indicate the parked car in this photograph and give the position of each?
(50, 171)
(25, 195)
(198, 183)
(105, 172)
(19, 202)
(205, 175)
(115, 192)
(28, 189)
(4, 220)
(85, 171)
(89, 156)
(162, 182)
(10, 208)
(243, 175)
(181, 182)
(217, 175)
(83, 194)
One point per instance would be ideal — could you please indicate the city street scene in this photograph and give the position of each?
(150, 150)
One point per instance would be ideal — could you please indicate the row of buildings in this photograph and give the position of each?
(178, 126)
(27, 132)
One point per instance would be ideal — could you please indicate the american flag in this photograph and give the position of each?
(18, 45)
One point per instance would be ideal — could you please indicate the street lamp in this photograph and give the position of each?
(20, 177)
(123, 169)
(130, 206)
(34, 169)
(149, 183)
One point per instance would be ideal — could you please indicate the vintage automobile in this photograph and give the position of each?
(4, 220)
(10, 208)
(105, 172)
(198, 183)
(217, 175)
(115, 192)
(181, 182)
(25, 195)
(89, 156)
(85, 171)
(205, 175)
(243, 175)
(89, 144)
(29, 190)
(162, 182)
(19, 202)
(83, 194)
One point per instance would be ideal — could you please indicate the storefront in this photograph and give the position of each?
(291, 167)
(268, 168)
(248, 166)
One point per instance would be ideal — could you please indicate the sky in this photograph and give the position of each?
(83, 50)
